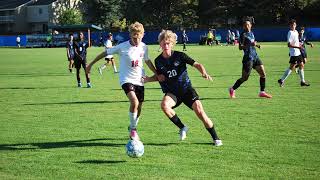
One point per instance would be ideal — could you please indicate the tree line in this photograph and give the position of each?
(174, 14)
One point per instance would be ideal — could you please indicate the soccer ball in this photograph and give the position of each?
(134, 148)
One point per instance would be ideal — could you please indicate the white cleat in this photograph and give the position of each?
(183, 133)
(218, 142)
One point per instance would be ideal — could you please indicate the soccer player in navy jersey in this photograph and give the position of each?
(185, 39)
(177, 86)
(250, 60)
(70, 51)
(81, 59)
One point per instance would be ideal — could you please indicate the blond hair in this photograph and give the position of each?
(167, 35)
(136, 28)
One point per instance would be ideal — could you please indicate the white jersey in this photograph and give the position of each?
(108, 44)
(131, 61)
(293, 39)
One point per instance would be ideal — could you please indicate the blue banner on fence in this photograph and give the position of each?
(151, 37)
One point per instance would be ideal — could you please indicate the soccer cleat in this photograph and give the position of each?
(134, 135)
(89, 85)
(232, 93)
(79, 85)
(183, 133)
(304, 84)
(264, 94)
(100, 71)
(281, 83)
(218, 142)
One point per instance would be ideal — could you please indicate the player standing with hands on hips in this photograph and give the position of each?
(132, 53)
(177, 86)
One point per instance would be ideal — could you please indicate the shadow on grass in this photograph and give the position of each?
(32, 88)
(126, 101)
(63, 144)
(100, 162)
(73, 144)
(34, 74)
(89, 102)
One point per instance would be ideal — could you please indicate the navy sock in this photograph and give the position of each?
(175, 119)
(213, 133)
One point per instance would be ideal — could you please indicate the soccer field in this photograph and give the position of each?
(51, 129)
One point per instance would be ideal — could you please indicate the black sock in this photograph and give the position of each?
(70, 70)
(262, 83)
(175, 119)
(213, 133)
(237, 84)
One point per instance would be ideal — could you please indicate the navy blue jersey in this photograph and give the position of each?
(184, 37)
(303, 40)
(81, 48)
(175, 71)
(71, 47)
(246, 40)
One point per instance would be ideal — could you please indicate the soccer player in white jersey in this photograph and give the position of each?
(108, 58)
(295, 55)
(132, 53)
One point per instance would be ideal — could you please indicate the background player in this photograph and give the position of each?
(184, 40)
(132, 54)
(295, 55)
(108, 58)
(250, 60)
(81, 59)
(70, 51)
(177, 85)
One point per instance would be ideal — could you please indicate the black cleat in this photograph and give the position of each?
(281, 83)
(304, 84)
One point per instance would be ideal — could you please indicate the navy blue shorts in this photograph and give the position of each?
(188, 98)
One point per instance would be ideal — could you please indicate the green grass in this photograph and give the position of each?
(50, 129)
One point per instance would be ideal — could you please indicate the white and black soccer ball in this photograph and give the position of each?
(134, 148)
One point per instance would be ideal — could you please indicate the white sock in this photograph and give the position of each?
(103, 66)
(114, 68)
(286, 74)
(301, 74)
(133, 120)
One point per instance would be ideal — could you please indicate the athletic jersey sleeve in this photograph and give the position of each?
(188, 60)
(241, 40)
(146, 54)
(112, 50)
(289, 37)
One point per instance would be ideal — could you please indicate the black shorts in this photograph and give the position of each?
(78, 63)
(109, 59)
(296, 59)
(247, 64)
(188, 98)
(138, 90)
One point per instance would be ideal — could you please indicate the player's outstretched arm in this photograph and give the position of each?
(146, 79)
(100, 56)
(153, 69)
(202, 70)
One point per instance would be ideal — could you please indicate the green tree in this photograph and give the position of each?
(70, 16)
(103, 12)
